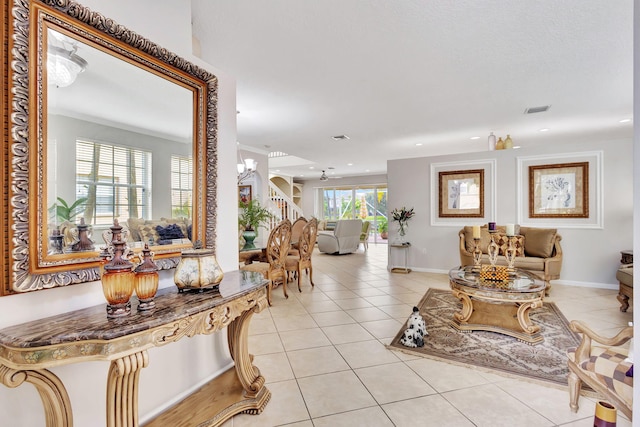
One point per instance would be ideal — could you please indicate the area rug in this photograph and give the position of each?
(545, 362)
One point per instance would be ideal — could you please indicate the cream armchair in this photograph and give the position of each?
(345, 239)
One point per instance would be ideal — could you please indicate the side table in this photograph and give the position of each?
(405, 248)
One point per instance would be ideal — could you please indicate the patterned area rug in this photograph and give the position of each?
(545, 362)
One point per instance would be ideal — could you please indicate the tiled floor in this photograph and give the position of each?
(323, 355)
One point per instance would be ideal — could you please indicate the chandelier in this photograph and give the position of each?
(63, 66)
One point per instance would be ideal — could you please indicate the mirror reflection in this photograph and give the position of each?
(119, 146)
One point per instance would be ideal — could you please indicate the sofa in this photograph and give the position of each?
(344, 239)
(538, 250)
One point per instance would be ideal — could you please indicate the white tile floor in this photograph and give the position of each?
(323, 355)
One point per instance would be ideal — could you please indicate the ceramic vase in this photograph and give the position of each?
(146, 282)
(605, 415)
(197, 269)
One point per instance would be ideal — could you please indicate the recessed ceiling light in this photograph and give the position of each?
(475, 137)
(339, 137)
(349, 164)
(311, 167)
(515, 147)
(625, 120)
(544, 130)
(277, 170)
(367, 170)
(418, 144)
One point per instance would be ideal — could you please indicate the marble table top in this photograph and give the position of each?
(92, 323)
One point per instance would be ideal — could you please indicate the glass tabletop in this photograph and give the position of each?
(518, 281)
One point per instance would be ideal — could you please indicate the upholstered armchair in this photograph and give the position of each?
(344, 239)
(602, 367)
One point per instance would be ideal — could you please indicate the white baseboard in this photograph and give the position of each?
(160, 409)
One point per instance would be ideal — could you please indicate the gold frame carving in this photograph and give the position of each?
(444, 211)
(578, 196)
(25, 264)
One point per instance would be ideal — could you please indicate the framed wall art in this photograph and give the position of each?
(559, 190)
(461, 194)
(244, 193)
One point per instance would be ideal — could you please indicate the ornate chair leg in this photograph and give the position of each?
(575, 384)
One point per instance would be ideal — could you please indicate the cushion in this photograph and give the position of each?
(610, 368)
(169, 233)
(330, 225)
(624, 275)
(539, 241)
(503, 243)
(148, 233)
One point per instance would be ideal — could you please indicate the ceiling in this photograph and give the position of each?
(393, 75)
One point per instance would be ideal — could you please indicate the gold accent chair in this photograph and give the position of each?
(307, 242)
(278, 246)
(603, 368)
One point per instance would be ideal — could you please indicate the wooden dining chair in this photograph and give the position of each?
(296, 264)
(296, 234)
(277, 250)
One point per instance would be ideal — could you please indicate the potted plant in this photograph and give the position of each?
(252, 216)
(383, 228)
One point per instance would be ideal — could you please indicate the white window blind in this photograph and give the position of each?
(116, 181)
(181, 186)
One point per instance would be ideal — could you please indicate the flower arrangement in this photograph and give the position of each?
(402, 216)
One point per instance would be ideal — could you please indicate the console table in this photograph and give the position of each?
(29, 349)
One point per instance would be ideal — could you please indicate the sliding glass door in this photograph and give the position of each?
(368, 203)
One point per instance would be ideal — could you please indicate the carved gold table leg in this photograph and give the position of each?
(523, 316)
(467, 307)
(57, 406)
(122, 389)
(249, 376)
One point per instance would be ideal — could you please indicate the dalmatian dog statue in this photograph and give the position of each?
(416, 330)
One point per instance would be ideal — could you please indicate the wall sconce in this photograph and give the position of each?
(246, 169)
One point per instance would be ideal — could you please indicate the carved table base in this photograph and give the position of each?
(509, 318)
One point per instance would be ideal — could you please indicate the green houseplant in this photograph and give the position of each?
(252, 216)
(62, 212)
(383, 228)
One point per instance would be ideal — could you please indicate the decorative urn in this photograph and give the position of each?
(197, 269)
(146, 283)
(118, 278)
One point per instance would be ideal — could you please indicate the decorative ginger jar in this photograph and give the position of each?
(197, 269)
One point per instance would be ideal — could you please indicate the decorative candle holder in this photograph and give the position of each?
(118, 278)
(510, 254)
(55, 242)
(84, 243)
(477, 254)
(146, 283)
(492, 250)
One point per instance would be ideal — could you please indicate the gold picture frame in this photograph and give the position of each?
(244, 193)
(461, 194)
(559, 190)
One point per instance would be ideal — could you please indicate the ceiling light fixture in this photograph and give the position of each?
(475, 137)
(544, 130)
(625, 120)
(63, 66)
(418, 144)
(324, 177)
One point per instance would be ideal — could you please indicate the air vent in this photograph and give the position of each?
(532, 110)
(339, 137)
(275, 154)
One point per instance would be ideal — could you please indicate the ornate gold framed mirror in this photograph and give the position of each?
(101, 125)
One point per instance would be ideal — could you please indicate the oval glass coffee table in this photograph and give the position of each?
(500, 306)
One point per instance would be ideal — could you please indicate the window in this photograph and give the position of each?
(115, 180)
(181, 185)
